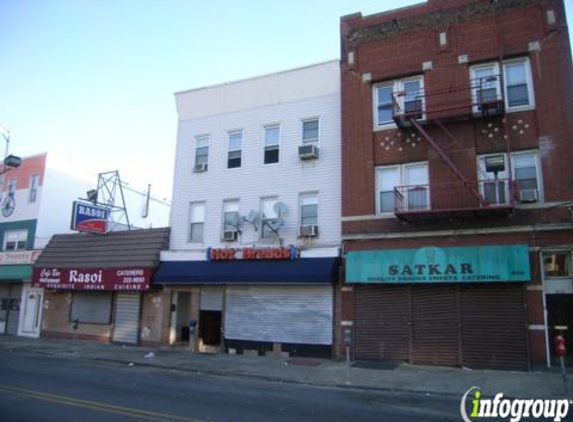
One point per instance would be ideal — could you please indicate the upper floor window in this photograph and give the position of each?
(230, 219)
(494, 186)
(269, 217)
(33, 188)
(402, 186)
(518, 84)
(310, 131)
(197, 222)
(272, 136)
(235, 149)
(15, 240)
(12, 183)
(309, 209)
(406, 94)
(201, 151)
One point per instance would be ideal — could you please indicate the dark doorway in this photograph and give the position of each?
(560, 312)
(210, 327)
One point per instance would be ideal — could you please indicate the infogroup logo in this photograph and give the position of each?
(513, 409)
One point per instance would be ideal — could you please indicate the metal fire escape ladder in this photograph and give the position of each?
(445, 157)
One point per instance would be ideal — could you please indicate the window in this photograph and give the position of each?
(12, 187)
(230, 215)
(272, 144)
(235, 147)
(525, 170)
(517, 84)
(413, 190)
(201, 150)
(406, 94)
(557, 264)
(268, 217)
(518, 87)
(15, 240)
(309, 209)
(33, 188)
(91, 307)
(197, 222)
(310, 131)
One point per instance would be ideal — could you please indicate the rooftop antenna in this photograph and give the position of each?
(109, 193)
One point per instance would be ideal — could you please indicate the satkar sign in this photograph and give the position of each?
(480, 264)
(105, 279)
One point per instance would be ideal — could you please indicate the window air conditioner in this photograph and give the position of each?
(528, 195)
(308, 152)
(199, 168)
(229, 235)
(308, 231)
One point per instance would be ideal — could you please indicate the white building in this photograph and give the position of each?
(257, 166)
(36, 203)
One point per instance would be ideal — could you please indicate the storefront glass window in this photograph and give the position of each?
(557, 264)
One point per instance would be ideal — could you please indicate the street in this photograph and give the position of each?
(39, 388)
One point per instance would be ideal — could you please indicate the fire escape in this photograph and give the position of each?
(429, 113)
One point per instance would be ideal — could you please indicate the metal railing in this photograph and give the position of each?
(454, 196)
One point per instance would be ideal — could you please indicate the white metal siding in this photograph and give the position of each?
(212, 298)
(279, 314)
(254, 180)
(126, 325)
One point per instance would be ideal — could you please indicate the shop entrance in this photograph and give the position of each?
(31, 316)
(180, 317)
(560, 313)
(211, 319)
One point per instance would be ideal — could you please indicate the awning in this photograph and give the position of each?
(15, 272)
(299, 271)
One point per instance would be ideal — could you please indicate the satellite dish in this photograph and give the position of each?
(280, 208)
(253, 215)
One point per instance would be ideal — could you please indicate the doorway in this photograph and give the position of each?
(180, 316)
(31, 313)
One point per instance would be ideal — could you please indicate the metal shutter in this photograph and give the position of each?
(92, 307)
(126, 324)
(280, 314)
(435, 339)
(382, 316)
(212, 298)
(494, 332)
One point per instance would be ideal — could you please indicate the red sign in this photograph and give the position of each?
(229, 254)
(104, 279)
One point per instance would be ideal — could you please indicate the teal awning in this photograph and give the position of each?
(15, 272)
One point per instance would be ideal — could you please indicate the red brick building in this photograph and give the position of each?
(457, 183)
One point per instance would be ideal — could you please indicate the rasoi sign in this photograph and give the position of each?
(89, 218)
(478, 264)
(106, 279)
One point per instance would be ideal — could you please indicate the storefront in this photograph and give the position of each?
(15, 276)
(255, 301)
(95, 286)
(452, 306)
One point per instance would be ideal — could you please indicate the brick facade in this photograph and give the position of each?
(395, 45)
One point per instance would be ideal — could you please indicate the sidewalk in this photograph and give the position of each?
(328, 373)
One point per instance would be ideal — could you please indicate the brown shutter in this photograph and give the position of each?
(435, 325)
(494, 327)
(382, 321)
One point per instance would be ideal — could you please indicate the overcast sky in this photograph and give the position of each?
(93, 80)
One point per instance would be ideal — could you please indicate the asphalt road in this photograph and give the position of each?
(40, 388)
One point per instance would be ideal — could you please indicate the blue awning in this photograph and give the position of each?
(299, 271)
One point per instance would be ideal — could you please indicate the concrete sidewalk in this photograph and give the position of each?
(327, 373)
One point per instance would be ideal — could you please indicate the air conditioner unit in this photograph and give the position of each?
(308, 231)
(229, 235)
(200, 168)
(308, 152)
(528, 195)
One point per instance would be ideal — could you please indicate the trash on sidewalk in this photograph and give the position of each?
(130, 364)
(149, 355)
